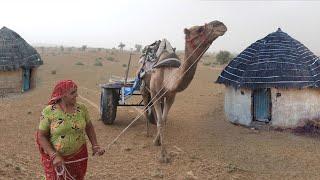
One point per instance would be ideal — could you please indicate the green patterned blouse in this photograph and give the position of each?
(67, 130)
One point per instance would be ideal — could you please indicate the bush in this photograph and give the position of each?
(224, 57)
(124, 65)
(98, 63)
(110, 58)
(53, 72)
(206, 63)
(79, 63)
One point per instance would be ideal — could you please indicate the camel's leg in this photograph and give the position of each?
(159, 140)
(158, 109)
(168, 101)
(146, 100)
(166, 107)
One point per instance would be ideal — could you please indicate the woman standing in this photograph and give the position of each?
(61, 135)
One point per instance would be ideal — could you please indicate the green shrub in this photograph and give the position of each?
(79, 63)
(124, 65)
(98, 63)
(110, 58)
(223, 57)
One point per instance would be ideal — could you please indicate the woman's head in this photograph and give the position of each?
(65, 90)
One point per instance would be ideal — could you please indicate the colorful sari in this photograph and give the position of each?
(75, 164)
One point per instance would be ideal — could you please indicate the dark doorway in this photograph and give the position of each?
(26, 79)
(262, 105)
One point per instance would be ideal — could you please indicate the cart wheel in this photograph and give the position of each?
(108, 105)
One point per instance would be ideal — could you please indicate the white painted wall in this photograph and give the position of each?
(294, 106)
(237, 106)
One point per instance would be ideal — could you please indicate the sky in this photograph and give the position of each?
(106, 23)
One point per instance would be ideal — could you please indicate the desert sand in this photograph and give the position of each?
(203, 144)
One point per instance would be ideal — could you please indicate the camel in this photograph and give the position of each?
(163, 83)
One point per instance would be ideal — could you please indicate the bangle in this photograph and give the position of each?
(52, 156)
(95, 146)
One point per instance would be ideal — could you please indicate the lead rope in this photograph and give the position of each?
(64, 173)
(141, 113)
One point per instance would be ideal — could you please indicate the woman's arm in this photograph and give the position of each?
(44, 142)
(93, 139)
(91, 134)
(46, 145)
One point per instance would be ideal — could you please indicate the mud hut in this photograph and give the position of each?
(18, 63)
(275, 80)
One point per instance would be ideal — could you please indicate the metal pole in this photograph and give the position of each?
(127, 70)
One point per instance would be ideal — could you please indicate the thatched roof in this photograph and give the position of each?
(15, 52)
(277, 60)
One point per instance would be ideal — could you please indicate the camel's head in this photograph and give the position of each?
(204, 34)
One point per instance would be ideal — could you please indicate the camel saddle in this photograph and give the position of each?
(151, 56)
(171, 60)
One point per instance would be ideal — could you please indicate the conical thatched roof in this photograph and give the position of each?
(15, 52)
(277, 60)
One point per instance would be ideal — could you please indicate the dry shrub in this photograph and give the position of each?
(79, 63)
(53, 72)
(311, 127)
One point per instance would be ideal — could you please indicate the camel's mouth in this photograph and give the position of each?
(218, 27)
(220, 32)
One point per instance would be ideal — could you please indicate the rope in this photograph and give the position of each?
(133, 121)
(64, 170)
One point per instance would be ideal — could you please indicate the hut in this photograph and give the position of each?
(275, 80)
(18, 63)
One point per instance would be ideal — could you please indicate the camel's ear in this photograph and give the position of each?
(186, 31)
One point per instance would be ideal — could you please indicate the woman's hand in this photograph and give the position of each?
(97, 150)
(57, 161)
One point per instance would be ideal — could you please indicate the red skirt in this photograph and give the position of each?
(76, 169)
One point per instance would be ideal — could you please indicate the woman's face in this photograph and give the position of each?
(71, 96)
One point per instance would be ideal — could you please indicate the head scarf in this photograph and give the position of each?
(61, 88)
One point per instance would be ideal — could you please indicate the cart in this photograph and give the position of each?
(114, 94)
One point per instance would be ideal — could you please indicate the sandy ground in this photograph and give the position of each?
(203, 144)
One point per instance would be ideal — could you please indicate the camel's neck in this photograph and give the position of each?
(188, 66)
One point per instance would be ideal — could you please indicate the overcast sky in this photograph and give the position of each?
(103, 23)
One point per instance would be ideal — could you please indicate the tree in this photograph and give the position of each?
(224, 57)
(121, 46)
(138, 47)
(61, 48)
(83, 47)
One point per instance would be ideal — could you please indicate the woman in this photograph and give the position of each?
(61, 134)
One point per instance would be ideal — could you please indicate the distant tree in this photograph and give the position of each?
(138, 47)
(61, 48)
(99, 49)
(83, 47)
(121, 46)
(224, 57)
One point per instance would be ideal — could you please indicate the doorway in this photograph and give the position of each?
(26, 79)
(262, 104)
